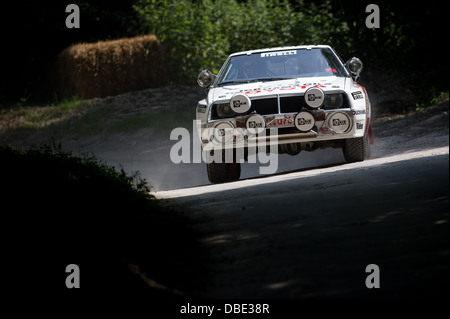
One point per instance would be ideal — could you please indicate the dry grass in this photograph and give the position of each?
(37, 117)
(109, 67)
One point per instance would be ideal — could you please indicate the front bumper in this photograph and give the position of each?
(234, 132)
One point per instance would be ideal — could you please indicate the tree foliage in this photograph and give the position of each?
(200, 34)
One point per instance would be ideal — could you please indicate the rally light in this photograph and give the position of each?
(255, 124)
(223, 132)
(304, 121)
(240, 103)
(314, 97)
(339, 122)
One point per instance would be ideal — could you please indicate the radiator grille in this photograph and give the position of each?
(265, 106)
(288, 104)
(292, 104)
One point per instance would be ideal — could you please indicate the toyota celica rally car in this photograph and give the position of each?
(299, 98)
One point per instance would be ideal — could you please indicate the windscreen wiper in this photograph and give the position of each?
(271, 79)
(233, 82)
(254, 80)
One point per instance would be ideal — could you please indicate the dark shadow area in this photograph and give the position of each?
(312, 237)
(59, 210)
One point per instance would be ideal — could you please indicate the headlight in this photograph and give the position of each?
(333, 101)
(224, 110)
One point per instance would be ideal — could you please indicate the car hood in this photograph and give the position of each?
(291, 86)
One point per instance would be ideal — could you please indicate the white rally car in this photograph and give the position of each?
(281, 100)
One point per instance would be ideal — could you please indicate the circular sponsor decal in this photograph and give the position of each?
(304, 121)
(339, 122)
(223, 132)
(240, 103)
(314, 97)
(255, 124)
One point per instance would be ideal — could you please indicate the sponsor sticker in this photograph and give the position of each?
(358, 112)
(339, 122)
(357, 95)
(202, 109)
(286, 120)
(278, 53)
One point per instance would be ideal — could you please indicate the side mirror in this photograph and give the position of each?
(205, 78)
(354, 66)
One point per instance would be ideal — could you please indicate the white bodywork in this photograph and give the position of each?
(310, 130)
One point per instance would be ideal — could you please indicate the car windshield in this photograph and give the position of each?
(280, 65)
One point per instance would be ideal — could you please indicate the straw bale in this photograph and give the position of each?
(110, 67)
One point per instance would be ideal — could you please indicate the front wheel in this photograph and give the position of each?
(223, 172)
(356, 149)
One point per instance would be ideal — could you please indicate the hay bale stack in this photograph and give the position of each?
(110, 67)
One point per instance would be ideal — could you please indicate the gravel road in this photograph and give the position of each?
(311, 233)
(311, 230)
(307, 231)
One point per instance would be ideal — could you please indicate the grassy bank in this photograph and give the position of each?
(156, 111)
(23, 117)
(59, 209)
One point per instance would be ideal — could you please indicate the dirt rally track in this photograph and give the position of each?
(309, 230)
(311, 233)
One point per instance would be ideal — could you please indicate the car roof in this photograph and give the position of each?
(250, 52)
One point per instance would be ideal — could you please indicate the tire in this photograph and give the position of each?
(356, 149)
(223, 172)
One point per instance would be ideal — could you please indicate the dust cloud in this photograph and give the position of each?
(152, 161)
